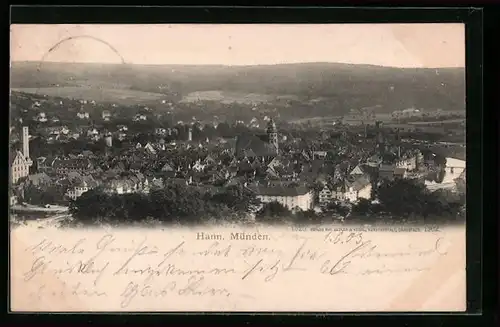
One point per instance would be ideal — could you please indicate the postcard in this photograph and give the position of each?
(237, 168)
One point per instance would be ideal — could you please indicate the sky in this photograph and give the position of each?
(396, 45)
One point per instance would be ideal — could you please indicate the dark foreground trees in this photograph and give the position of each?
(273, 211)
(173, 203)
(404, 198)
(398, 199)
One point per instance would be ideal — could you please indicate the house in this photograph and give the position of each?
(83, 115)
(160, 131)
(13, 200)
(139, 117)
(45, 164)
(407, 162)
(41, 117)
(167, 168)
(19, 166)
(353, 190)
(58, 130)
(150, 148)
(319, 154)
(130, 184)
(77, 188)
(20, 162)
(209, 161)
(374, 161)
(262, 146)
(290, 197)
(325, 196)
(357, 171)
(106, 115)
(92, 132)
(80, 165)
(122, 128)
(198, 166)
(121, 136)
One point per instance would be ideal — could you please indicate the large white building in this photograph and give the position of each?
(20, 161)
(290, 197)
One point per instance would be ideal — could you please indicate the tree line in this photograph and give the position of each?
(173, 203)
(397, 200)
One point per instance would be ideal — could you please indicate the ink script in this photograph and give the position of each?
(147, 270)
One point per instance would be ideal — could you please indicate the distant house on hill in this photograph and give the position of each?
(106, 115)
(83, 115)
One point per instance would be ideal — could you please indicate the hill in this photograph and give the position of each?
(339, 87)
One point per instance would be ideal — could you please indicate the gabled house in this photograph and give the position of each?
(19, 167)
(209, 161)
(357, 171)
(77, 188)
(325, 196)
(150, 148)
(83, 115)
(122, 128)
(198, 166)
(352, 191)
(139, 117)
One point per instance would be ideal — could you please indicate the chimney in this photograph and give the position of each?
(26, 142)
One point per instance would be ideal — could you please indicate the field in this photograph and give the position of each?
(233, 97)
(118, 96)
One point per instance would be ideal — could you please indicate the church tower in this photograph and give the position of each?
(381, 145)
(26, 145)
(272, 133)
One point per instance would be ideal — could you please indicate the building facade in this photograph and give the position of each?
(292, 198)
(20, 161)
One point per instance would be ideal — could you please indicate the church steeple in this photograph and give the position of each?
(272, 133)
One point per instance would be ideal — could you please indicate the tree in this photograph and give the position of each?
(307, 216)
(92, 206)
(176, 203)
(43, 194)
(440, 160)
(238, 198)
(272, 210)
(403, 197)
(363, 207)
(440, 175)
(338, 208)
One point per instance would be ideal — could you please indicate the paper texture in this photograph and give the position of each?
(358, 269)
(338, 128)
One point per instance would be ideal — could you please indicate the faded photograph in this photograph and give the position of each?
(231, 135)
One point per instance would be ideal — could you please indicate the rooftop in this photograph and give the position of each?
(280, 190)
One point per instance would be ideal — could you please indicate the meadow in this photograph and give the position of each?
(112, 95)
(234, 97)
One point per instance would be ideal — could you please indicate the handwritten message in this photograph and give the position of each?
(231, 269)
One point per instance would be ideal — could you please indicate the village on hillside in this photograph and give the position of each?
(149, 168)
